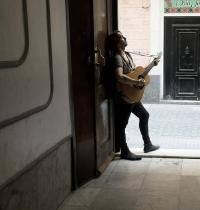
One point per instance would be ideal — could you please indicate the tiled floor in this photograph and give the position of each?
(149, 184)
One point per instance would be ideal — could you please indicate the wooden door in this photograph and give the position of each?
(182, 58)
(81, 48)
(90, 22)
(103, 109)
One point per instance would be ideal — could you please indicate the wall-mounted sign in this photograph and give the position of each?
(182, 6)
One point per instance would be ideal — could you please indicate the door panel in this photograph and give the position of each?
(81, 33)
(104, 143)
(187, 66)
(182, 58)
(89, 27)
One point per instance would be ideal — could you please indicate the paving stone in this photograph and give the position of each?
(172, 126)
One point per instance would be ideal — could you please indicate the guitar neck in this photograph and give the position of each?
(148, 68)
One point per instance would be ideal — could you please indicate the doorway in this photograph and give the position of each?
(172, 126)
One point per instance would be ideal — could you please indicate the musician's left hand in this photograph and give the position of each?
(156, 61)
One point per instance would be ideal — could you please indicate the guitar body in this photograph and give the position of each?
(133, 93)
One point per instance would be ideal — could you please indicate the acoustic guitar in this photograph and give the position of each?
(134, 93)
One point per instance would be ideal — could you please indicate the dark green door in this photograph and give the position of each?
(182, 61)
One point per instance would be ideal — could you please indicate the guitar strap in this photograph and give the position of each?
(130, 64)
(131, 60)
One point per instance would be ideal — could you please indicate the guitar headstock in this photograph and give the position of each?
(157, 58)
(159, 54)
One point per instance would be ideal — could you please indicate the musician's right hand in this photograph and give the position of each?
(141, 82)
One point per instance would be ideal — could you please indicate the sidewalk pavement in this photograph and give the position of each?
(173, 127)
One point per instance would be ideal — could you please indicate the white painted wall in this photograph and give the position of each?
(156, 25)
(157, 37)
(28, 86)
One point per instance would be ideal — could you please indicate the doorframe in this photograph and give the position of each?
(115, 14)
(74, 181)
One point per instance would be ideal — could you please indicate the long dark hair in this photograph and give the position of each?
(110, 80)
(113, 40)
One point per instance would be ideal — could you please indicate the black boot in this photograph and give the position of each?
(130, 156)
(127, 154)
(150, 147)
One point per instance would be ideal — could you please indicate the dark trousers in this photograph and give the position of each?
(122, 114)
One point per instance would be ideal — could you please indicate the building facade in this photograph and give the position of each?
(150, 27)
